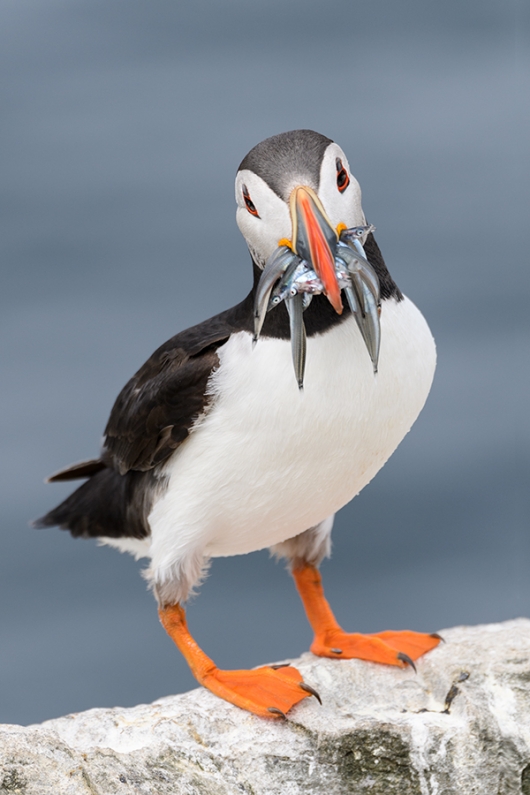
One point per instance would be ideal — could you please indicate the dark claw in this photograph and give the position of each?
(276, 711)
(279, 665)
(311, 690)
(336, 651)
(406, 659)
(438, 637)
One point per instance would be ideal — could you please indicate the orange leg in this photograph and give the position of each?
(268, 691)
(392, 648)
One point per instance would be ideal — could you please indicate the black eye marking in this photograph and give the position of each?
(343, 179)
(249, 203)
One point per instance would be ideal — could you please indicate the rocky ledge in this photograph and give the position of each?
(460, 725)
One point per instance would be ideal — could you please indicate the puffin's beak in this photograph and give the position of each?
(315, 240)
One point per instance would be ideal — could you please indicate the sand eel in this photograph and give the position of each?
(214, 448)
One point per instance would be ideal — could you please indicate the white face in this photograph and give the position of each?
(270, 221)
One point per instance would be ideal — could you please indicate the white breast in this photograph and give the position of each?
(268, 462)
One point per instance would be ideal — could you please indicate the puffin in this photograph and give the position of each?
(252, 429)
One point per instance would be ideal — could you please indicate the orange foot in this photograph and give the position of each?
(391, 648)
(270, 691)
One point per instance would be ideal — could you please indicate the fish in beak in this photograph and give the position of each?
(319, 260)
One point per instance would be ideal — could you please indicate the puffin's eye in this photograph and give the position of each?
(343, 179)
(249, 203)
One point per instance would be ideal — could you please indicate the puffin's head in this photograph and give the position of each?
(299, 209)
(296, 189)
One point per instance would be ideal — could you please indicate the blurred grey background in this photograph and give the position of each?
(122, 126)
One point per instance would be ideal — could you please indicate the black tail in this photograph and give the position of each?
(84, 469)
(108, 504)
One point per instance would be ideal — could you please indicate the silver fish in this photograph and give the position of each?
(285, 287)
(357, 263)
(301, 279)
(342, 274)
(363, 297)
(307, 281)
(295, 307)
(360, 250)
(371, 324)
(274, 268)
(359, 233)
(287, 277)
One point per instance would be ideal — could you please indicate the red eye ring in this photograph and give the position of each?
(343, 179)
(249, 203)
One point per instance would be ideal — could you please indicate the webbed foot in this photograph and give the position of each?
(390, 648)
(268, 691)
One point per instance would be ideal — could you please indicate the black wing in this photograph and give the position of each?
(155, 411)
(153, 414)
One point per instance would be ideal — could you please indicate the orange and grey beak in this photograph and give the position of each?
(315, 240)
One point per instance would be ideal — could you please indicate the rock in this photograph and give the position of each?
(460, 725)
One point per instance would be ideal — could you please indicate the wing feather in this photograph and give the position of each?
(157, 408)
